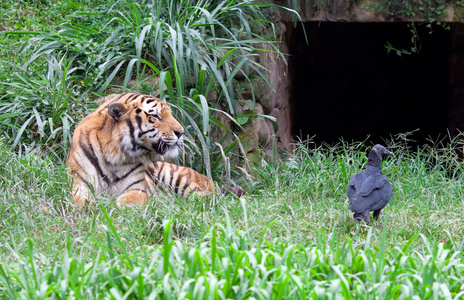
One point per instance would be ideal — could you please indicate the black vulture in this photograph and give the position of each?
(370, 190)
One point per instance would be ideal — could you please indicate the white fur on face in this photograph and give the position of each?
(151, 108)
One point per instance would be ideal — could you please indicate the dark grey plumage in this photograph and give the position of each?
(370, 190)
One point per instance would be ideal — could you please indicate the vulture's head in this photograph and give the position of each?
(381, 151)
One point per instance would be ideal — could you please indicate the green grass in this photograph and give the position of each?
(292, 236)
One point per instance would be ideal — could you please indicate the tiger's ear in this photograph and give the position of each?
(116, 110)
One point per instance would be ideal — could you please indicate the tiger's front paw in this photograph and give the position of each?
(134, 197)
(80, 197)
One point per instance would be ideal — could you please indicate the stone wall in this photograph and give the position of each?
(260, 134)
(356, 11)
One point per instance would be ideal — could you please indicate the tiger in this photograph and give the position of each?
(120, 149)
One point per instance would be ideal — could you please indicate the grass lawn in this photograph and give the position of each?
(292, 236)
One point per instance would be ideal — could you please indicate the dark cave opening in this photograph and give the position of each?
(346, 86)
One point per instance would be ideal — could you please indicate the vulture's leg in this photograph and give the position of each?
(377, 214)
(366, 216)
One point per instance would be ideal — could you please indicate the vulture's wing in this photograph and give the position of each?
(384, 195)
(372, 182)
(355, 183)
(372, 194)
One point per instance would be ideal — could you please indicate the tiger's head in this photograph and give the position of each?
(147, 125)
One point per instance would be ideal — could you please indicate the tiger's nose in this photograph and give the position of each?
(178, 133)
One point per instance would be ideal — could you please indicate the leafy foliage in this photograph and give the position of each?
(194, 49)
(432, 11)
